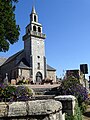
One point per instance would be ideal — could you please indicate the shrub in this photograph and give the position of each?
(83, 107)
(71, 86)
(20, 82)
(23, 93)
(11, 93)
(7, 92)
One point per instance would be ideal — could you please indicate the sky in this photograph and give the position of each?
(66, 24)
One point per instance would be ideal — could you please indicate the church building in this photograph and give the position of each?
(31, 61)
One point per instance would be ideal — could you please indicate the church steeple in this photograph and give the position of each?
(34, 28)
(33, 15)
(34, 47)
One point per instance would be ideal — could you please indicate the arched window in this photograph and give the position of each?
(34, 28)
(39, 29)
(34, 18)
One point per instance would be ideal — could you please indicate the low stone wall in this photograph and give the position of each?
(32, 110)
(68, 103)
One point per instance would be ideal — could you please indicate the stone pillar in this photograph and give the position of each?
(68, 103)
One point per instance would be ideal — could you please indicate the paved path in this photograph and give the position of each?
(86, 115)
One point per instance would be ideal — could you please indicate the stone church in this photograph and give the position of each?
(31, 61)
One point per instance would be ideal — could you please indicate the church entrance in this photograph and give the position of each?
(39, 77)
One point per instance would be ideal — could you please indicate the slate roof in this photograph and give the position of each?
(23, 64)
(50, 68)
(13, 57)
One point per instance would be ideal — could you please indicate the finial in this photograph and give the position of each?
(33, 10)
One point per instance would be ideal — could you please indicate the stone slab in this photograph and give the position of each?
(3, 109)
(43, 107)
(17, 109)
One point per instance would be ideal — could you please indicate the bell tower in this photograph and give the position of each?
(34, 48)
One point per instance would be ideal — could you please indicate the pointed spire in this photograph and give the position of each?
(33, 10)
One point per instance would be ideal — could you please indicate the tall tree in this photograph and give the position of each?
(9, 31)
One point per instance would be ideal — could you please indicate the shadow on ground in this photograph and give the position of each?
(87, 114)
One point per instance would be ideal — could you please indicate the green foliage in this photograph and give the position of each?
(7, 92)
(21, 82)
(69, 117)
(83, 107)
(23, 93)
(9, 31)
(77, 115)
(71, 86)
(69, 81)
(11, 93)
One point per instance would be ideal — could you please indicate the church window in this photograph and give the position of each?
(34, 28)
(38, 66)
(34, 18)
(38, 56)
(39, 29)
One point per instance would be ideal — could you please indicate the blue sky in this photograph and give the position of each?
(66, 24)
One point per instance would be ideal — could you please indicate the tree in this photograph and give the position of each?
(9, 31)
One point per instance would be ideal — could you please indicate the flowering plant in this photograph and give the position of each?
(23, 93)
(11, 93)
(72, 86)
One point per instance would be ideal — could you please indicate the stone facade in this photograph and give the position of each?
(38, 55)
(10, 66)
(25, 73)
(51, 75)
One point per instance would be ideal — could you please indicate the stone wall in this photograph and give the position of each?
(32, 110)
(26, 73)
(68, 103)
(38, 49)
(10, 66)
(51, 75)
